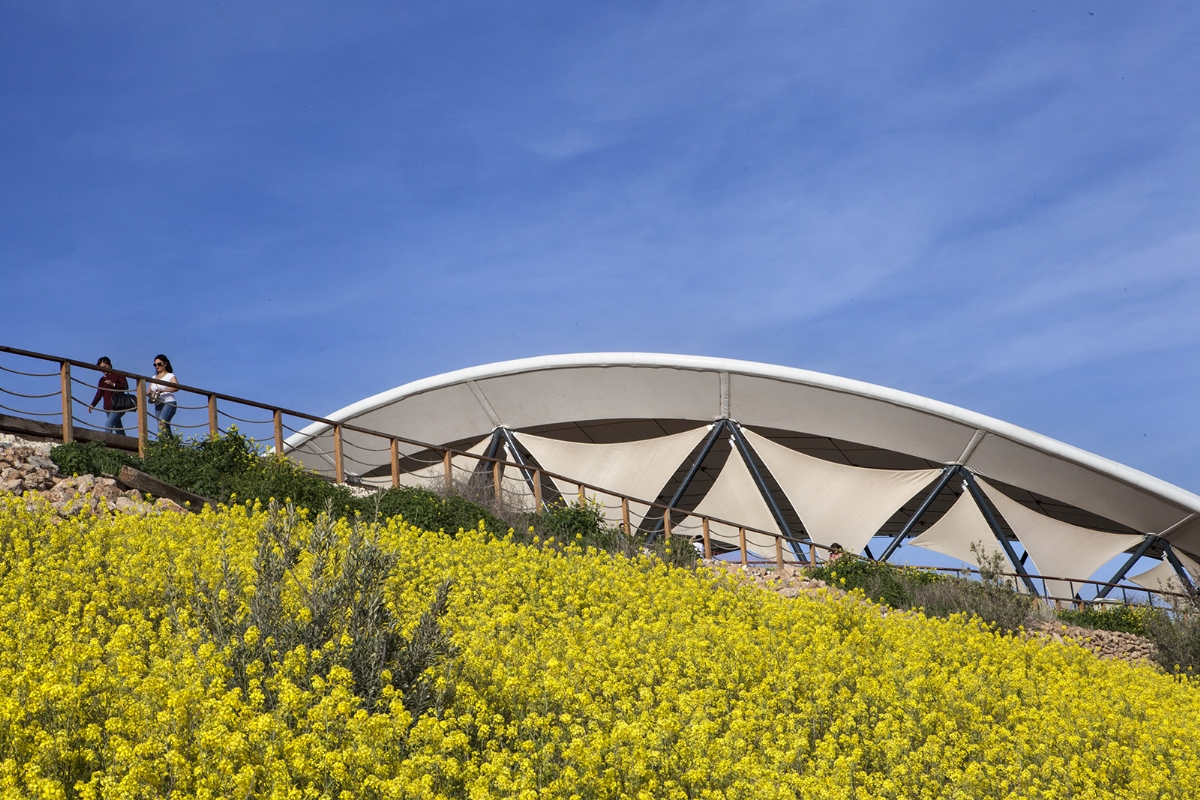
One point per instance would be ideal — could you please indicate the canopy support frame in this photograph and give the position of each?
(947, 474)
(748, 454)
(713, 435)
(981, 501)
(515, 452)
(1146, 544)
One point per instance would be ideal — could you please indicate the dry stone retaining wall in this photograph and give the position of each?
(27, 471)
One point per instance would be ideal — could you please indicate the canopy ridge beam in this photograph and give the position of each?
(981, 501)
(947, 473)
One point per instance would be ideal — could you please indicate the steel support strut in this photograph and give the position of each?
(949, 472)
(1184, 578)
(485, 467)
(511, 441)
(1146, 544)
(981, 501)
(748, 456)
(713, 435)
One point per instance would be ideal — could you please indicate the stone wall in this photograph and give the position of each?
(27, 471)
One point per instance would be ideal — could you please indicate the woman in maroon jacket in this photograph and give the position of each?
(110, 385)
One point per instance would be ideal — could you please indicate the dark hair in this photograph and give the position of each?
(165, 360)
(103, 360)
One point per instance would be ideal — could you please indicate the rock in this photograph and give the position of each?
(41, 462)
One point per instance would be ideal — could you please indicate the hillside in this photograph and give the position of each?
(135, 668)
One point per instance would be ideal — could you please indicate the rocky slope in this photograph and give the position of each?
(26, 470)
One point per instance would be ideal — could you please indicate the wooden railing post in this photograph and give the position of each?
(496, 481)
(742, 544)
(582, 496)
(812, 554)
(338, 462)
(395, 448)
(707, 539)
(278, 420)
(779, 554)
(212, 416)
(537, 489)
(68, 416)
(448, 466)
(667, 524)
(143, 428)
(625, 516)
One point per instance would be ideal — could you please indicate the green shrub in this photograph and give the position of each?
(1176, 635)
(229, 469)
(344, 618)
(91, 458)
(991, 599)
(878, 580)
(1125, 619)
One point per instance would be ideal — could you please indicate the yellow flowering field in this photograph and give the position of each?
(575, 675)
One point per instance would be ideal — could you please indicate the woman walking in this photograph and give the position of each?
(162, 393)
(111, 392)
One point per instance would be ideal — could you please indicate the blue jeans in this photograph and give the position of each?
(164, 412)
(112, 421)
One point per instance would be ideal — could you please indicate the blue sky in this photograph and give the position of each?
(308, 203)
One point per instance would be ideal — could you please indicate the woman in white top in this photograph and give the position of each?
(162, 394)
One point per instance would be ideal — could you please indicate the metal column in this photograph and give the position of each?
(511, 441)
(747, 453)
(713, 435)
(981, 501)
(1184, 578)
(949, 472)
(1146, 544)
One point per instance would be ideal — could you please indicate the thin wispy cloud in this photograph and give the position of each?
(992, 206)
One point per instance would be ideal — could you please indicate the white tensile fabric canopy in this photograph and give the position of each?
(958, 529)
(627, 397)
(837, 502)
(635, 469)
(1058, 548)
(1163, 578)
(735, 496)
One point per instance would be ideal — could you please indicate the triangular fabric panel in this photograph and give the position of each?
(837, 502)
(636, 469)
(1163, 578)
(959, 528)
(1058, 548)
(735, 496)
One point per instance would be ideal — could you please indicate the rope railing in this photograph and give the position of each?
(29, 396)
(23, 412)
(30, 374)
(682, 523)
